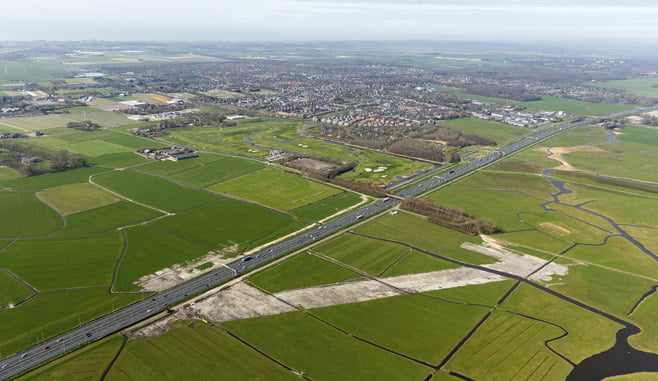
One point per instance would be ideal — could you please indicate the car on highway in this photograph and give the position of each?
(246, 259)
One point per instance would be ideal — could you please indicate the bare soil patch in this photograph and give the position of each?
(556, 153)
(551, 225)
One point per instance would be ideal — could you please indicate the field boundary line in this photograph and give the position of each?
(109, 366)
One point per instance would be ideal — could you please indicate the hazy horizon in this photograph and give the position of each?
(513, 21)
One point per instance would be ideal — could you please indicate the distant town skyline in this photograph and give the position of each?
(501, 20)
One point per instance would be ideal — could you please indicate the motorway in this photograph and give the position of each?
(123, 318)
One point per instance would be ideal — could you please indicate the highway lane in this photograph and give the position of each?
(152, 305)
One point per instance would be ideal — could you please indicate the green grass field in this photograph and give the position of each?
(107, 217)
(64, 262)
(323, 353)
(74, 198)
(327, 207)
(29, 71)
(611, 291)
(375, 257)
(213, 353)
(88, 363)
(12, 291)
(52, 313)
(301, 271)
(498, 132)
(548, 103)
(509, 347)
(23, 215)
(51, 180)
(217, 171)
(8, 174)
(415, 262)
(638, 86)
(117, 160)
(96, 148)
(589, 333)
(150, 250)
(46, 122)
(154, 191)
(418, 326)
(224, 223)
(487, 294)
(423, 234)
(619, 254)
(645, 317)
(278, 190)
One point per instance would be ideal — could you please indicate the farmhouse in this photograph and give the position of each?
(171, 153)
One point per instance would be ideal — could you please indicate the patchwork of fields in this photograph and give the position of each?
(84, 242)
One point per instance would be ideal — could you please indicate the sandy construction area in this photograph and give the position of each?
(243, 301)
(556, 153)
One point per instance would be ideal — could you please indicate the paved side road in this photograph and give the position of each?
(146, 308)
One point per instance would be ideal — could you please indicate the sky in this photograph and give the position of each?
(293, 20)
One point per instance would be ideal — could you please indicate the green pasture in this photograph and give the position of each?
(498, 132)
(64, 262)
(117, 160)
(415, 262)
(224, 223)
(278, 190)
(484, 200)
(589, 333)
(609, 290)
(88, 363)
(564, 228)
(154, 191)
(107, 217)
(96, 148)
(487, 294)
(327, 207)
(220, 170)
(12, 291)
(213, 353)
(301, 271)
(578, 136)
(23, 215)
(422, 234)
(548, 103)
(166, 167)
(51, 180)
(619, 254)
(418, 326)
(74, 198)
(529, 161)
(8, 174)
(29, 71)
(29, 325)
(645, 316)
(535, 240)
(573, 106)
(150, 250)
(322, 352)
(375, 257)
(643, 87)
(510, 347)
(639, 135)
(46, 122)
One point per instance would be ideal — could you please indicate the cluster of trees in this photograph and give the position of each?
(30, 162)
(610, 124)
(417, 148)
(361, 187)
(85, 125)
(324, 174)
(650, 120)
(449, 216)
(456, 138)
(515, 93)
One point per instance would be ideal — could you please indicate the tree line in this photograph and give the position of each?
(449, 216)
